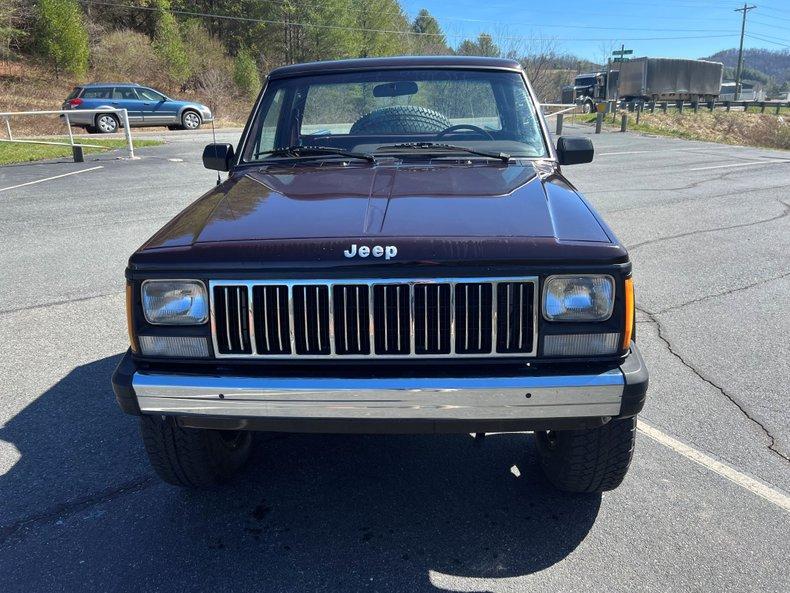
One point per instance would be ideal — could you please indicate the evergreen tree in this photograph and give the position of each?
(62, 36)
(168, 43)
(430, 38)
(487, 47)
(484, 46)
(383, 28)
(246, 75)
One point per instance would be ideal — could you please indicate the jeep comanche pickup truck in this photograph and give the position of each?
(395, 250)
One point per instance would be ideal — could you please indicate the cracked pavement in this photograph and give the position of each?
(81, 509)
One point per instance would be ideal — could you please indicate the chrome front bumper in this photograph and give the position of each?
(513, 397)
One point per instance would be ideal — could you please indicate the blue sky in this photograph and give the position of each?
(589, 29)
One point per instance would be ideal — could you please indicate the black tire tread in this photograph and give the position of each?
(188, 457)
(592, 460)
(401, 119)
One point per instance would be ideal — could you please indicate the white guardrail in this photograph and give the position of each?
(567, 107)
(65, 114)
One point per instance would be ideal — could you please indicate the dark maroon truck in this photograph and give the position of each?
(395, 250)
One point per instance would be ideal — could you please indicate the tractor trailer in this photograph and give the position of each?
(648, 79)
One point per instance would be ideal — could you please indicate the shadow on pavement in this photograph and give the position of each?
(310, 512)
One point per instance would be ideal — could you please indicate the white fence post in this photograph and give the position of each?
(128, 133)
(68, 127)
(8, 128)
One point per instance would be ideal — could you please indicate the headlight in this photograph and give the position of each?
(582, 297)
(175, 302)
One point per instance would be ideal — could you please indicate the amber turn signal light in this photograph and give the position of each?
(130, 317)
(629, 312)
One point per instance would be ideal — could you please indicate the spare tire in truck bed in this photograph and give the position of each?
(401, 119)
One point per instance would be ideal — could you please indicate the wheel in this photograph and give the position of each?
(591, 460)
(190, 120)
(192, 457)
(586, 108)
(401, 119)
(107, 123)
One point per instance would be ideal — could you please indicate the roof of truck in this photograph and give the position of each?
(398, 62)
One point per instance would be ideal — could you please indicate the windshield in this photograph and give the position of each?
(373, 112)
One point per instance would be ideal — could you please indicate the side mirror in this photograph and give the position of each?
(218, 157)
(574, 150)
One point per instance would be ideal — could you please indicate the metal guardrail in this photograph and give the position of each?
(565, 108)
(76, 147)
(748, 106)
(612, 106)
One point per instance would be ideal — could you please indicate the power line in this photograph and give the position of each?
(771, 25)
(566, 26)
(601, 11)
(773, 16)
(392, 31)
(758, 38)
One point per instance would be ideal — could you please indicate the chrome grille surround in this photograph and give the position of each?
(294, 287)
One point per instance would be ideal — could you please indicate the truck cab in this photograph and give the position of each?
(592, 88)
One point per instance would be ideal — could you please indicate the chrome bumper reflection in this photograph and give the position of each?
(430, 398)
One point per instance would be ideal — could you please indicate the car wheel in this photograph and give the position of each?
(586, 108)
(106, 123)
(190, 120)
(193, 457)
(591, 460)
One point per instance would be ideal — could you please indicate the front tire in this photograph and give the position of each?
(106, 123)
(591, 460)
(192, 457)
(190, 120)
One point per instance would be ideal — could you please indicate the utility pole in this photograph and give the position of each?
(744, 10)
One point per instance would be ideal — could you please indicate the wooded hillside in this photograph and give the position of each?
(221, 48)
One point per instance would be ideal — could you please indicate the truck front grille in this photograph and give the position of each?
(463, 317)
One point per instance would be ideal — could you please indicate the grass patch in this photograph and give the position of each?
(733, 127)
(13, 152)
(747, 129)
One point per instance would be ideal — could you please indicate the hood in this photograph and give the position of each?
(430, 205)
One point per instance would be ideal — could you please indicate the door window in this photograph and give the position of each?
(149, 95)
(124, 94)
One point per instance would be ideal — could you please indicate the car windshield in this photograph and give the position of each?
(381, 112)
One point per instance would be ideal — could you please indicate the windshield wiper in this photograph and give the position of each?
(446, 147)
(299, 151)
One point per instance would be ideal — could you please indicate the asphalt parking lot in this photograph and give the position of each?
(704, 508)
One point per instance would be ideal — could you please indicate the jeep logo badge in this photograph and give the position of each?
(387, 251)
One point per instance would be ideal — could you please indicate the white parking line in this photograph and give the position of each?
(50, 178)
(753, 163)
(769, 493)
(662, 150)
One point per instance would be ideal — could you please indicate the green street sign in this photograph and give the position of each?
(622, 52)
(620, 59)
